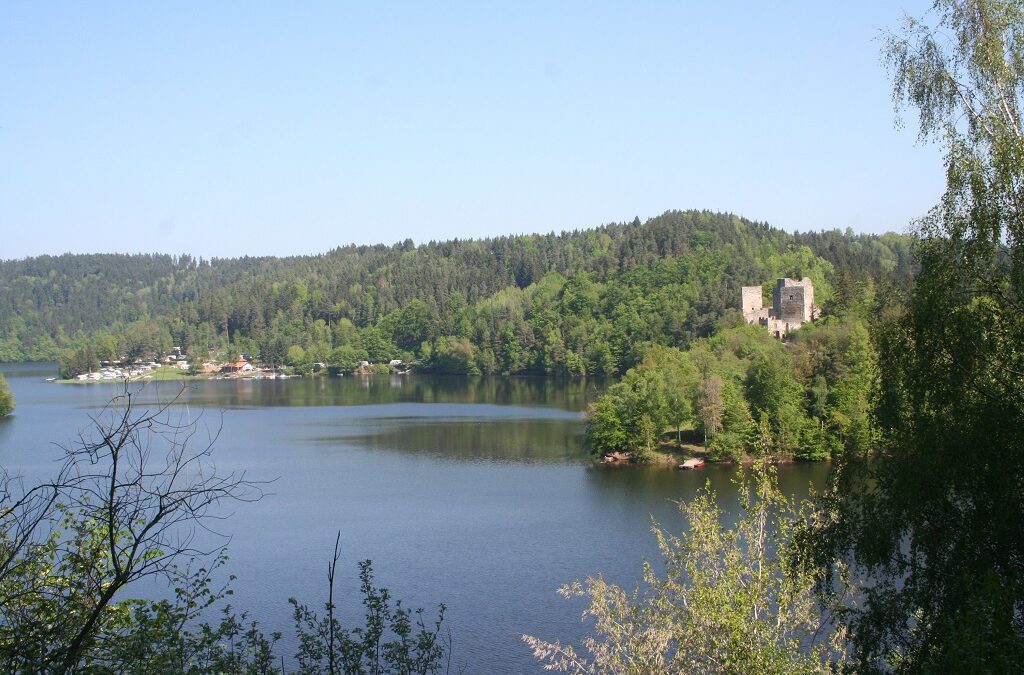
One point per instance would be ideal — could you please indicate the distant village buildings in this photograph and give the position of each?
(792, 306)
(240, 366)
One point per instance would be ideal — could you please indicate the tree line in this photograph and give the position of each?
(743, 393)
(915, 551)
(6, 398)
(580, 303)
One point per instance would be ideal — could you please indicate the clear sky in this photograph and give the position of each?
(225, 129)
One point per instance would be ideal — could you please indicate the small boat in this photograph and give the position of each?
(690, 464)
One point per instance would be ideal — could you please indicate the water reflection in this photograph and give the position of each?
(33, 370)
(547, 440)
(474, 492)
(344, 391)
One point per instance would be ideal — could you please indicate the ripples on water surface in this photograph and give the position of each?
(475, 493)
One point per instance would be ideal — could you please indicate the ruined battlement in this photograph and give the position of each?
(753, 300)
(792, 306)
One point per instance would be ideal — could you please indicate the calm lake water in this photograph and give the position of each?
(475, 493)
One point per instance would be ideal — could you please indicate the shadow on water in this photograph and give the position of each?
(544, 440)
(33, 370)
(475, 492)
(349, 391)
(658, 489)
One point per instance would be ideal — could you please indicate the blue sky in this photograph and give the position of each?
(226, 129)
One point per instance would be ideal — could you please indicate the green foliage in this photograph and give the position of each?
(679, 378)
(6, 398)
(167, 636)
(391, 639)
(77, 361)
(107, 520)
(378, 348)
(451, 355)
(584, 302)
(298, 359)
(729, 600)
(629, 416)
(414, 324)
(775, 394)
(121, 510)
(736, 434)
(815, 395)
(605, 430)
(836, 362)
(711, 406)
(936, 524)
(346, 358)
(274, 350)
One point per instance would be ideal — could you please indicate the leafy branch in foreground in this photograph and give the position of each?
(126, 505)
(728, 602)
(935, 525)
(393, 639)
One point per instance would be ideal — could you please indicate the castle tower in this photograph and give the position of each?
(753, 300)
(752, 304)
(792, 300)
(792, 306)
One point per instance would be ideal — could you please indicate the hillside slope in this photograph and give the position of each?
(575, 302)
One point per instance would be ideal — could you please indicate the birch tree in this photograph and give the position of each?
(936, 524)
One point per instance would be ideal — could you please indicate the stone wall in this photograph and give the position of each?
(753, 299)
(792, 306)
(778, 327)
(752, 304)
(788, 303)
(793, 300)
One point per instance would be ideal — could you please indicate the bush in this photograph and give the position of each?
(729, 601)
(6, 398)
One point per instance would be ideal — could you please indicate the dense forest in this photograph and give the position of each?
(746, 393)
(916, 548)
(582, 302)
(911, 560)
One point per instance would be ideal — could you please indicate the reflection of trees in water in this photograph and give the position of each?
(630, 481)
(533, 439)
(795, 481)
(351, 390)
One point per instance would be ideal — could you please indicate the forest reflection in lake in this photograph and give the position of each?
(472, 492)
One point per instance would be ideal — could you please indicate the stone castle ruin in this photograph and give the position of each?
(792, 306)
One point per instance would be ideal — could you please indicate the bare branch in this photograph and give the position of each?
(132, 494)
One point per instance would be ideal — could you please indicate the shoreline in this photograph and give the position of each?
(671, 455)
(169, 375)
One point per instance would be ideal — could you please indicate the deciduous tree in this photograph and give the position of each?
(936, 525)
(6, 398)
(123, 507)
(710, 406)
(728, 601)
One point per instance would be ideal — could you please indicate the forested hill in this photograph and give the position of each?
(582, 301)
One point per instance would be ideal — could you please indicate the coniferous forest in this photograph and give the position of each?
(910, 559)
(579, 303)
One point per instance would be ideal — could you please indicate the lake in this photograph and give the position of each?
(472, 492)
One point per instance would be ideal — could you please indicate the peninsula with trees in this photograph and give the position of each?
(580, 303)
(911, 560)
(661, 308)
